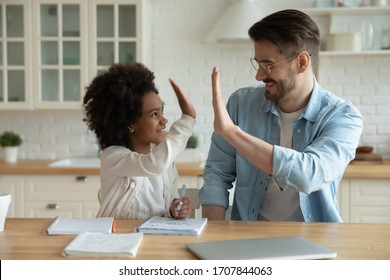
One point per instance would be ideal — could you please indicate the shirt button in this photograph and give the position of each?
(298, 130)
(309, 216)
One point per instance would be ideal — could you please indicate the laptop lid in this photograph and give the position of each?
(286, 247)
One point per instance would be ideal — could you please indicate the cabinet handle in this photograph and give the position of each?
(53, 206)
(81, 178)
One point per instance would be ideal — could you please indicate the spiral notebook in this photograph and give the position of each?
(164, 225)
(286, 247)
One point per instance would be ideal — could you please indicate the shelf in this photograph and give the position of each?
(347, 11)
(353, 53)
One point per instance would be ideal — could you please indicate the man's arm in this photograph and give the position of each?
(213, 212)
(255, 150)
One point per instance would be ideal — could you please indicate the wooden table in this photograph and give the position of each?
(25, 238)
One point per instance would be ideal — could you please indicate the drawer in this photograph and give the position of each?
(46, 209)
(370, 192)
(370, 214)
(62, 188)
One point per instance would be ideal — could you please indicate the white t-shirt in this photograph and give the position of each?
(277, 204)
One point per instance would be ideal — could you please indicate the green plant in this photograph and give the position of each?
(10, 139)
(192, 142)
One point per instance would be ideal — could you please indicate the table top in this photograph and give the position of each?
(25, 238)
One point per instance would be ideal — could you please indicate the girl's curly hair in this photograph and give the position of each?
(113, 101)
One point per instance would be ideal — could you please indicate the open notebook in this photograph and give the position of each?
(96, 244)
(287, 247)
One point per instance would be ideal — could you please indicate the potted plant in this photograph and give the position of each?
(10, 141)
(192, 142)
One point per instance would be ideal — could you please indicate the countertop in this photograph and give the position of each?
(376, 170)
(41, 167)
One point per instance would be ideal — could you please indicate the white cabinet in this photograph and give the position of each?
(15, 55)
(13, 184)
(61, 195)
(117, 33)
(52, 195)
(365, 200)
(60, 60)
(51, 49)
(77, 39)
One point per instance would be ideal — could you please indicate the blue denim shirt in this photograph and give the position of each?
(325, 138)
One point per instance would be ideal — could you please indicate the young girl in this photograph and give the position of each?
(138, 175)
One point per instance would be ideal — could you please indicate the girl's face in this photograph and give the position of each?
(150, 127)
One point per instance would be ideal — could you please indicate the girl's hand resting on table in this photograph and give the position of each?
(184, 212)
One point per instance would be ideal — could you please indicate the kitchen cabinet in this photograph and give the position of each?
(13, 184)
(15, 55)
(348, 19)
(50, 50)
(61, 195)
(60, 40)
(364, 200)
(76, 40)
(38, 196)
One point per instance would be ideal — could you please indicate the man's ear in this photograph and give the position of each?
(304, 61)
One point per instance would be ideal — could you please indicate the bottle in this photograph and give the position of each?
(367, 34)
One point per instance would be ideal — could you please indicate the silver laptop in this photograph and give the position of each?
(286, 247)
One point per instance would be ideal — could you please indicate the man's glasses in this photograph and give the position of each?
(266, 67)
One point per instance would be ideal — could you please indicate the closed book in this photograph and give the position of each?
(164, 225)
(63, 225)
(94, 244)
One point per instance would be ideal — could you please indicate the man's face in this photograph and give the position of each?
(275, 70)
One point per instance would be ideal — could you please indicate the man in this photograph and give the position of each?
(284, 143)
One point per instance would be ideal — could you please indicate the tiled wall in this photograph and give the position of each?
(178, 52)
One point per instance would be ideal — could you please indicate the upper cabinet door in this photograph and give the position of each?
(60, 59)
(15, 54)
(115, 33)
(50, 50)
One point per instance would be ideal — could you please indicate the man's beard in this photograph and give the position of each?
(284, 88)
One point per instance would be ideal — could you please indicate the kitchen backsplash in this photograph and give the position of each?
(178, 51)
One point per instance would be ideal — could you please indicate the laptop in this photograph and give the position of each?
(282, 248)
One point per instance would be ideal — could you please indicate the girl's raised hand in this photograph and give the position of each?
(184, 102)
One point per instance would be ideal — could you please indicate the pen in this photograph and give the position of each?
(182, 195)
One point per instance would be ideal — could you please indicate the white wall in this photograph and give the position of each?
(178, 51)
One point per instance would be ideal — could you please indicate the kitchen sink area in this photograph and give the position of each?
(76, 162)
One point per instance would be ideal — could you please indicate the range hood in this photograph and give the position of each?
(233, 26)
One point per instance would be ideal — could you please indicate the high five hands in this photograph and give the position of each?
(222, 121)
(184, 102)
